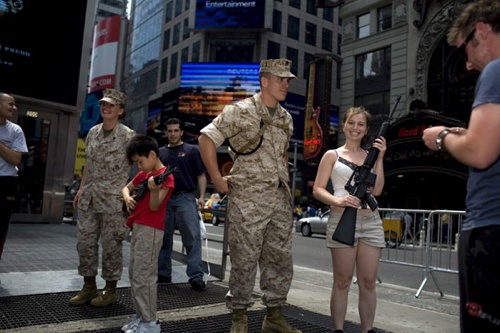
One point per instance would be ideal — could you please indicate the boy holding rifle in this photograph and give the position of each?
(146, 220)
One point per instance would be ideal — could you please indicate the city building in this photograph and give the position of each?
(399, 47)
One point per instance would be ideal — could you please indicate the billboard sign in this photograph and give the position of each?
(41, 49)
(227, 14)
(104, 53)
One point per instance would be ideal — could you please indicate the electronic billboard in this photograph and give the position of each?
(224, 14)
(206, 88)
(41, 45)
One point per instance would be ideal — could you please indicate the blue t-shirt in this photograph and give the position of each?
(483, 186)
(186, 157)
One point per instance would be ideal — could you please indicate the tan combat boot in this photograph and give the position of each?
(88, 292)
(107, 296)
(274, 322)
(240, 321)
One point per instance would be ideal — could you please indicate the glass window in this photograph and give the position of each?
(308, 58)
(163, 73)
(168, 11)
(178, 7)
(364, 25)
(166, 39)
(185, 55)
(173, 65)
(338, 75)
(195, 54)
(293, 55)
(295, 3)
(339, 44)
(310, 34)
(186, 5)
(328, 14)
(384, 18)
(277, 21)
(185, 29)
(177, 32)
(293, 27)
(326, 40)
(273, 50)
(311, 7)
(377, 63)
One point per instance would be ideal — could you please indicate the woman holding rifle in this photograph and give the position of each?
(338, 165)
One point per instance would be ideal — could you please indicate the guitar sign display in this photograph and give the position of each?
(313, 134)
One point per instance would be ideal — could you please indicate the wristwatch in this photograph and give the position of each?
(440, 138)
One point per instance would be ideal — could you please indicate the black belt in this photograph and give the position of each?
(176, 192)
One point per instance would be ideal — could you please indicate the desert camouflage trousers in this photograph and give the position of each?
(259, 236)
(110, 228)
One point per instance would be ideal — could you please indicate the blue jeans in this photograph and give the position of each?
(183, 213)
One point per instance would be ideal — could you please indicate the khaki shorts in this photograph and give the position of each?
(369, 229)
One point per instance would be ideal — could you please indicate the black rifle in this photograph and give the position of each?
(358, 184)
(141, 190)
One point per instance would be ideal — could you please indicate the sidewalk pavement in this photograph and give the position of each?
(38, 275)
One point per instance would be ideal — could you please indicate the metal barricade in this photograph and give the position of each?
(430, 242)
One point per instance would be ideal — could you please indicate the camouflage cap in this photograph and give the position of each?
(114, 97)
(279, 67)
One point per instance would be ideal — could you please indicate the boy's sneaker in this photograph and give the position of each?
(131, 327)
(150, 327)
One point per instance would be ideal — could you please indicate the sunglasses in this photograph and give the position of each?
(467, 40)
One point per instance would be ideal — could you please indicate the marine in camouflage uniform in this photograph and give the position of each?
(259, 212)
(99, 201)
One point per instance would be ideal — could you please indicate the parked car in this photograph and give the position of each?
(313, 225)
(217, 213)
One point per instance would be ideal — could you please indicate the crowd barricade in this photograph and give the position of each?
(430, 242)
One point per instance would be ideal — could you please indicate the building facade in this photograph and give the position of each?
(399, 47)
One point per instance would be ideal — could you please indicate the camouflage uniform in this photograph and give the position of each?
(259, 207)
(100, 206)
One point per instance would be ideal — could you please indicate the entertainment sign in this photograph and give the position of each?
(224, 14)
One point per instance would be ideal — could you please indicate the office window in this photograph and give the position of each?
(293, 27)
(295, 3)
(176, 35)
(185, 29)
(364, 25)
(311, 7)
(273, 50)
(168, 11)
(166, 39)
(163, 73)
(173, 65)
(195, 54)
(310, 34)
(186, 5)
(328, 14)
(185, 55)
(326, 40)
(373, 81)
(338, 75)
(376, 63)
(308, 58)
(178, 7)
(277, 21)
(339, 44)
(384, 18)
(293, 55)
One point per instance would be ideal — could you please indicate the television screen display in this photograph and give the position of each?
(239, 14)
(41, 48)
